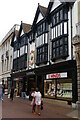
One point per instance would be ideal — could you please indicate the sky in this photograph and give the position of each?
(14, 11)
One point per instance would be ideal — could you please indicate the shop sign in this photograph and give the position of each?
(19, 78)
(56, 75)
(32, 57)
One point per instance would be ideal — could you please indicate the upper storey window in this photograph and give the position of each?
(42, 28)
(31, 36)
(23, 41)
(59, 33)
(59, 16)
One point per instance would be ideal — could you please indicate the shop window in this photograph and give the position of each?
(49, 88)
(64, 88)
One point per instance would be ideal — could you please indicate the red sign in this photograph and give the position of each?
(56, 75)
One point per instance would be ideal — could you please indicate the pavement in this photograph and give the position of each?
(21, 108)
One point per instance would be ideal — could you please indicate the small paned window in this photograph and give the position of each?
(61, 41)
(41, 40)
(42, 28)
(59, 33)
(61, 15)
(61, 50)
(42, 54)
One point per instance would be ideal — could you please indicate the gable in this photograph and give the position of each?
(56, 3)
(22, 33)
(40, 17)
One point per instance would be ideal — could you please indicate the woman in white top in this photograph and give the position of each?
(38, 100)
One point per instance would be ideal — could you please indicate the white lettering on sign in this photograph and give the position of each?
(56, 75)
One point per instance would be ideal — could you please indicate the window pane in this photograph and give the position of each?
(54, 45)
(58, 30)
(61, 41)
(46, 38)
(65, 14)
(26, 49)
(43, 27)
(15, 54)
(61, 15)
(54, 53)
(65, 28)
(57, 51)
(64, 88)
(54, 32)
(65, 40)
(61, 50)
(21, 50)
(53, 20)
(43, 39)
(57, 43)
(49, 88)
(57, 17)
(61, 28)
(65, 48)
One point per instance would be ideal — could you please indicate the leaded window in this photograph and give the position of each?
(42, 28)
(59, 33)
(42, 54)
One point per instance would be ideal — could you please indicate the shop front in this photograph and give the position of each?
(59, 81)
(19, 82)
(23, 82)
(7, 84)
(58, 86)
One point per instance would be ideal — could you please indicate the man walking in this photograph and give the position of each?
(12, 93)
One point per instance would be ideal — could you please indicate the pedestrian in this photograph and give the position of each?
(38, 100)
(1, 92)
(12, 93)
(33, 101)
(23, 93)
(3, 88)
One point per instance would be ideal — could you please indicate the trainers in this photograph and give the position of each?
(38, 113)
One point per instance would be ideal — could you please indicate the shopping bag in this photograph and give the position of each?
(8, 95)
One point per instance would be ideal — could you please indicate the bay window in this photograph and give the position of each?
(42, 43)
(59, 33)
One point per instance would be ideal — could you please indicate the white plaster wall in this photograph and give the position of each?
(40, 17)
(56, 3)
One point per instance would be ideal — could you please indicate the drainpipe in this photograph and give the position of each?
(71, 34)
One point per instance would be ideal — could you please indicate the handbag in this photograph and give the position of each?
(41, 104)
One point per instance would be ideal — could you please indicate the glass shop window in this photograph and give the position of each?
(64, 88)
(49, 88)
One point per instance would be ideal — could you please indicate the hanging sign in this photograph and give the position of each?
(32, 57)
(56, 75)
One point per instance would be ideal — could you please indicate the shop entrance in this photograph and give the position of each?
(39, 83)
(32, 83)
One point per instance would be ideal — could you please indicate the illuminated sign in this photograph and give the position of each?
(56, 75)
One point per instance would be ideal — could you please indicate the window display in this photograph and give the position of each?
(49, 88)
(60, 88)
(64, 88)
